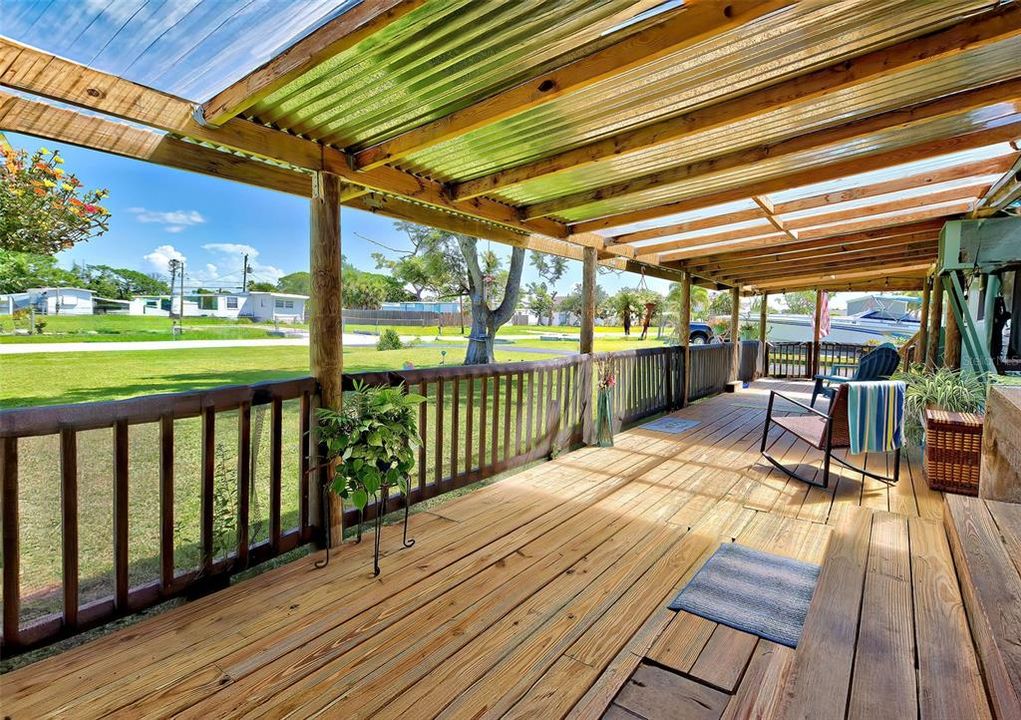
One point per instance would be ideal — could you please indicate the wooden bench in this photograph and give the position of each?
(986, 540)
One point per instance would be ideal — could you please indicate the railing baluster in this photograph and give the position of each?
(166, 502)
(120, 514)
(305, 429)
(540, 407)
(422, 435)
(207, 492)
(507, 417)
(438, 460)
(11, 540)
(244, 481)
(69, 524)
(495, 435)
(469, 426)
(276, 481)
(482, 423)
(455, 426)
(530, 415)
(519, 416)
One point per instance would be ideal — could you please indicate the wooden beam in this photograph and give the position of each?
(809, 248)
(966, 171)
(326, 357)
(880, 249)
(763, 313)
(967, 36)
(39, 73)
(707, 223)
(944, 211)
(699, 240)
(748, 276)
(967, 193)
(935, 322)
(1002, 193)
(767, 209)
(825, 279)
(926, 150)
(684, 336)
(735, 332)
(336, 36)
(952, 348)
(588, 301)
(682, 29)
(923, 323)
(42, 120)
(1007, 93)
(868, 285)
(816, 332)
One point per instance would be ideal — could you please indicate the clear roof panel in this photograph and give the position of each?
(189, 48)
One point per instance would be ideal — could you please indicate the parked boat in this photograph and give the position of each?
(876, 318)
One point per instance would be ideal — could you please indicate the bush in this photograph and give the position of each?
(389, 340)
(943, 389)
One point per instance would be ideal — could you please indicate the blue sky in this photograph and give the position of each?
(159, 213)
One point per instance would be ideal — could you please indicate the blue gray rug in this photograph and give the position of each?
(672, 425)
(753, 591)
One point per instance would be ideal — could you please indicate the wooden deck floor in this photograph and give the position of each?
(543, 596)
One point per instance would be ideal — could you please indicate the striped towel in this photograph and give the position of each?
(875, 415)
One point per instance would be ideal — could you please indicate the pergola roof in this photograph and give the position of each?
(766, 145)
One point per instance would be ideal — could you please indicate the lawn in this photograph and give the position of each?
(131, 328)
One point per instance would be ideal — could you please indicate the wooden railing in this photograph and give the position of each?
(170, 495)
(795, 359)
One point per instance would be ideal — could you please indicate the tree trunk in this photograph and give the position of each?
(486, 321)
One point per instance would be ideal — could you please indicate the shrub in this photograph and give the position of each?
(943, 389)
(389, 340)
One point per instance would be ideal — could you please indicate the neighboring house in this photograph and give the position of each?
(422, 306)
(49, 301)
(258, 306)
(274, 306)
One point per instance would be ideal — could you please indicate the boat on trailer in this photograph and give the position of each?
(871, 318)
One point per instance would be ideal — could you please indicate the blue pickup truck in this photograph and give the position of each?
(700, 334)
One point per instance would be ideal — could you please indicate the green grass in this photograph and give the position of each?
(131, 328)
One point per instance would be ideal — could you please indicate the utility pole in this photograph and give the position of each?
(173, 278)
(246, 268)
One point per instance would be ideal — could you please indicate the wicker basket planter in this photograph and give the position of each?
(953, 451)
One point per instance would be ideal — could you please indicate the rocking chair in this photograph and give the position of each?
(824, 431)
(878, 364)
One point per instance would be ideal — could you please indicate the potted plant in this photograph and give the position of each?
(371, 445)
(606, 381)
(942, 414)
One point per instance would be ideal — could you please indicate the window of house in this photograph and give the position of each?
(207, 302)
(232, 303)
(284, 304)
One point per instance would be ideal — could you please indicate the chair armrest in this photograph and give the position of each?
(799, 404)
(832, 378)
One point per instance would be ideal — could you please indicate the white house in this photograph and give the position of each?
(258, 306)
(49, 301)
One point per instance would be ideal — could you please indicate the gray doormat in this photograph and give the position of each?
(672, 425)
(753, 591)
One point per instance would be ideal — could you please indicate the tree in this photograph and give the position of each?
(492, 302)
(43, 209)
(540, 302)
(256, 286)
(118, 283)
(626, 305)
(720, 304)
(573, 301)
(20, 271)
(699, 301)
(297, 283)
(801, 302)
(433, 265)
(550, 268)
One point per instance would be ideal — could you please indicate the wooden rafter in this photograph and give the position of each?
(887, 284)
(926, 150)
(723, 236)
(767, 209)
(682, 28)
(1006, 95)
(333, 38)
(706, 223)
(966, 36)
(915, 269)
(918, 202)
(918, 181)
(841, 262)
(1001, 193)
(32, 71)
(947, 211)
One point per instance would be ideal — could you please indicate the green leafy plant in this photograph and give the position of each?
(389, 340)
(942, 389)
(374, 437)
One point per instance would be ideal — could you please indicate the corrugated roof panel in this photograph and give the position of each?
(890, 139)
(783, 44)
(437, 59)
(960, 72)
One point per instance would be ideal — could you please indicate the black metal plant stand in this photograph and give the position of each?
(380, 500)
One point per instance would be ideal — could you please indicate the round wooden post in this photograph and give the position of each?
(588, 303)
(935, 319)
(923, 322)
(684, 335)
(763, 312)
(325, 326)
(816, 334)
(735, 332)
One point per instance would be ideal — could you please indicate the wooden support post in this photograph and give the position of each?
(813, 368)
(923, 322)
(325, 351)
(735, 332)
(763, 312)
(952, 346)
(588, 302)
(684, 336)
(935, 319)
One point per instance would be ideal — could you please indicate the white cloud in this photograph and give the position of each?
(160, 258)
(228, 270)
(174, 220)
(231, 249)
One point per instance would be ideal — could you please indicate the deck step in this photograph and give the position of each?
(985, 537)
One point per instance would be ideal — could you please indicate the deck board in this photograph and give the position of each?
(541, 596)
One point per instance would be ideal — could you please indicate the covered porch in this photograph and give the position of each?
(544, 595)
